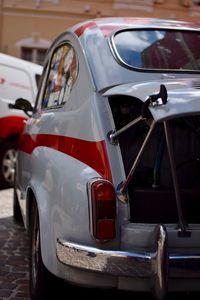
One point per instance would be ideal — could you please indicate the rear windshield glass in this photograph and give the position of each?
(159, 49)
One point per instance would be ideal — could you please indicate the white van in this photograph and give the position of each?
(18, 79)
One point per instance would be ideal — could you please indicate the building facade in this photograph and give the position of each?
(27, 27)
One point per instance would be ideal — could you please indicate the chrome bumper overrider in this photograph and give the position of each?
(154, 265)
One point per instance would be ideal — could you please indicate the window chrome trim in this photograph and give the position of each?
(117, 57)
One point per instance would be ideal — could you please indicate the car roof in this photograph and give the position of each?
(94, 38)
(107, 25)
(111, 24)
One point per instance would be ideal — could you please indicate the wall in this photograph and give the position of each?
(39, 21)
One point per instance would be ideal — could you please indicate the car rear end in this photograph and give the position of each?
(145, 219)
(160, 150)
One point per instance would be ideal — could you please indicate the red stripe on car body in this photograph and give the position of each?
(80, 30)
(105, 29)
(91, 153)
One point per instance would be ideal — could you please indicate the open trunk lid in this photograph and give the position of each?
(183, 97)
(160, 148)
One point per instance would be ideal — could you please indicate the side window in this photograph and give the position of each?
(61, 77)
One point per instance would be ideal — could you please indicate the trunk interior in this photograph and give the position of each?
(151, 189)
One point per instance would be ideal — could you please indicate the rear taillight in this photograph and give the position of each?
(102, 209)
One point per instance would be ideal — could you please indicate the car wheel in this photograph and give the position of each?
(8, 154)
(17, 215)
(42, 282)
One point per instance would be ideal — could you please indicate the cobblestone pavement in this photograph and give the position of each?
(14, 278)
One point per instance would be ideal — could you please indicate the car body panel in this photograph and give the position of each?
(82, 135)
(183, 97)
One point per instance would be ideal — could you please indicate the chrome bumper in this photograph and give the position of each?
(154, 265)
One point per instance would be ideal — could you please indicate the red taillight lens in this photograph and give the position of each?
(103, 209)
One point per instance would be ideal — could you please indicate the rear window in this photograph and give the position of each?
(158, 49)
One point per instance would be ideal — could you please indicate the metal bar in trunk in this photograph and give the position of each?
(124, 186)
(114, 134)
(182, 222)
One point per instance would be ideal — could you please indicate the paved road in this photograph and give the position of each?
(14, 277)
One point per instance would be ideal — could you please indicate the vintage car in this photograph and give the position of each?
(108, 168)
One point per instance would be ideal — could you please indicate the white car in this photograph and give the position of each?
(18, 78)
(108, 169)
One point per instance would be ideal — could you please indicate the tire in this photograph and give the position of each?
(42, 282)
(17, 215)
(8, 153)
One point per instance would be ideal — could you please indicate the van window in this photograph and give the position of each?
(14, 83)
(61, 77)
(37, 79)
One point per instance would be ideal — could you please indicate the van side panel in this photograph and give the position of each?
(16, 125)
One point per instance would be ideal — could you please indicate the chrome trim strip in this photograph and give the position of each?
(157, 265)
(152, 264)
(160, 263)
(116, 263)
(185, 266)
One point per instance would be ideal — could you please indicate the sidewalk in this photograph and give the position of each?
(14, 278)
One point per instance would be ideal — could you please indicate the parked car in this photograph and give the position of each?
(18, 78)
(108, 168)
